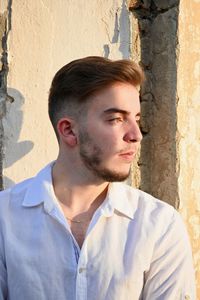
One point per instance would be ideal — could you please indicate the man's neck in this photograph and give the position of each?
(77, 196)
(79, 199)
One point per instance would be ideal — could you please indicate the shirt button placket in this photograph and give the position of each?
(81, 284)
(81, 280)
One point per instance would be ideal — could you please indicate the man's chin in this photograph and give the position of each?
(113, 176)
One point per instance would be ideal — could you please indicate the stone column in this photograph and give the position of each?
(157, 32)
(169, 39)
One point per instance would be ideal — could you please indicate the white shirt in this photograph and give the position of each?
(136, 247)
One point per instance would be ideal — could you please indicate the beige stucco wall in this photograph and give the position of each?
(188, 122)
(44, 36)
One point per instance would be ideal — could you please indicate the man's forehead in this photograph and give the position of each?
(121, 106)
(120, 96)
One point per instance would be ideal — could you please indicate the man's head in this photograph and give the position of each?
(94, 109)
(75, 83)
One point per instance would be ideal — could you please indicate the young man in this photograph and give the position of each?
(74, 232)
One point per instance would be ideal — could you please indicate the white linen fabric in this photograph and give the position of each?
(136, 247)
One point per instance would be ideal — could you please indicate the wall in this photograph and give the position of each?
(4, 30)
(188, 122)
(44, 36)
(158, 40)
(169, 38)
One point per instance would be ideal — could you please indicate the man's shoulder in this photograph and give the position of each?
(144, 199)
(17, 193)
(145, 206)
(14, 193)
(153, 215)
(29, 192)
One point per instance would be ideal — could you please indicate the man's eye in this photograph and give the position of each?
(115, 120)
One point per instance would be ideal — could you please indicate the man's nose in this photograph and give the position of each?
(133, 133)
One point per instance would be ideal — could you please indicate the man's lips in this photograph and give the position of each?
(127, 155)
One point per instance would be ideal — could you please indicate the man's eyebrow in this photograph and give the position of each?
(116, 110)
(120, 111)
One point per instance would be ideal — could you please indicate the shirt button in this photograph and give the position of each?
(81, 270)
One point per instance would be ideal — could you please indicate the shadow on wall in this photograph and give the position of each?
(120, 40)
(14, 150)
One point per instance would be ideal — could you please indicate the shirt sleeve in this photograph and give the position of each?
(171, 273)
(3, 274)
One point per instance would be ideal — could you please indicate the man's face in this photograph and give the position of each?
(109, 136)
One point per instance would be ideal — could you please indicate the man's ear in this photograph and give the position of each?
(66, 131)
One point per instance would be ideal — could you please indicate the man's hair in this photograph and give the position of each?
(74, 83)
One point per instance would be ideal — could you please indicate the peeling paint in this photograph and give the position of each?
(118, 34)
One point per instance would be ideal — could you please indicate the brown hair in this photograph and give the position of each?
(82, 78)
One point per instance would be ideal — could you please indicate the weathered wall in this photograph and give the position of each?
(168, 39)
(188, 122)
(4, 30)
(158, 40)
(44, 36)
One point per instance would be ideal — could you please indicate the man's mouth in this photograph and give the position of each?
(128, 156)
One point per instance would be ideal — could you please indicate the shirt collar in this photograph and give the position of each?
(41, 190)
(120, 196)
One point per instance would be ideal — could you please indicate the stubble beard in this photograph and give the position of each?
(91, 155)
